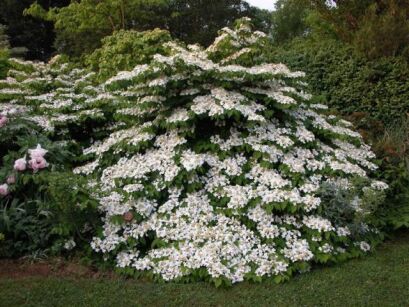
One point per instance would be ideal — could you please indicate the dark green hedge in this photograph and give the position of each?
(348, 81)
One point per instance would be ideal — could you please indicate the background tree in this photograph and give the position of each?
(36, 35)
(4, 39)
(198, 21)
(374, 27)
(288, 20)
(81, 25)
(261, 19)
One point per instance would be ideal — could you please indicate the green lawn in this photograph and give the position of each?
(381, 279)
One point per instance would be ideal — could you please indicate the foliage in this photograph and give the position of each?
(74, 215)
(395, 211)
(4, 52)
(44, 209)
(375, 28)
(289, 20)
(81, 25)
(43, 205)
(392, 146)
(4, 39)
(125, 49)
(40, 221)
(37, 36)
(349, 82)
(187, 22)
(261, 19)
(4, 63)
(39, 210)
(340, 202)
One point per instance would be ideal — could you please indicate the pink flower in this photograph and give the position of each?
(38, 163)
(20, 165)
(11, 179)
(3, 120)
(4, 189)
(38, 152)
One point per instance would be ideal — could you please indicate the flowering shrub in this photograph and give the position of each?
(22, 223)
(45, 94)
(218, 170)
(209, 164)
(42, 204)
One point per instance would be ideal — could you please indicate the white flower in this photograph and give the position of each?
(178, 115)
(298, 251)
(379, 185)
(318, 223)
(191, 161)
(69, 244)
(343, 231)
(364, 246)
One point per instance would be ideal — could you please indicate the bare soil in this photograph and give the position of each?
(23, 268)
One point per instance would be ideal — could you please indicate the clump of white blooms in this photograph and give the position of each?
(209, 166)
(52, 95)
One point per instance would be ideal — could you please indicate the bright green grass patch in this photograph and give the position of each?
(381, 279)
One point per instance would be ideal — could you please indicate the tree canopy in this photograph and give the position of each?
(375, 28)
(36, 35)
(288, 20)
(81, 25)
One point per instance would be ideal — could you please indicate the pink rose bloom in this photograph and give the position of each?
(38, 152)
(11, 179)
(38, 163)
(3, 120)
(20, 165)
(4, 189)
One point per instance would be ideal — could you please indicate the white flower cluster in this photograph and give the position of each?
(50, 95)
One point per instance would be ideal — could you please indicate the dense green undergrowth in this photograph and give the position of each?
(349, 82)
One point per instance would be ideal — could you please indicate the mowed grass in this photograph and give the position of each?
(381, 279)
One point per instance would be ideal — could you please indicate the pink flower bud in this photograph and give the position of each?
(3, 120)
(38, 152)
(11, 179)
(4, 189)
(20, 165)
(38, 163)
